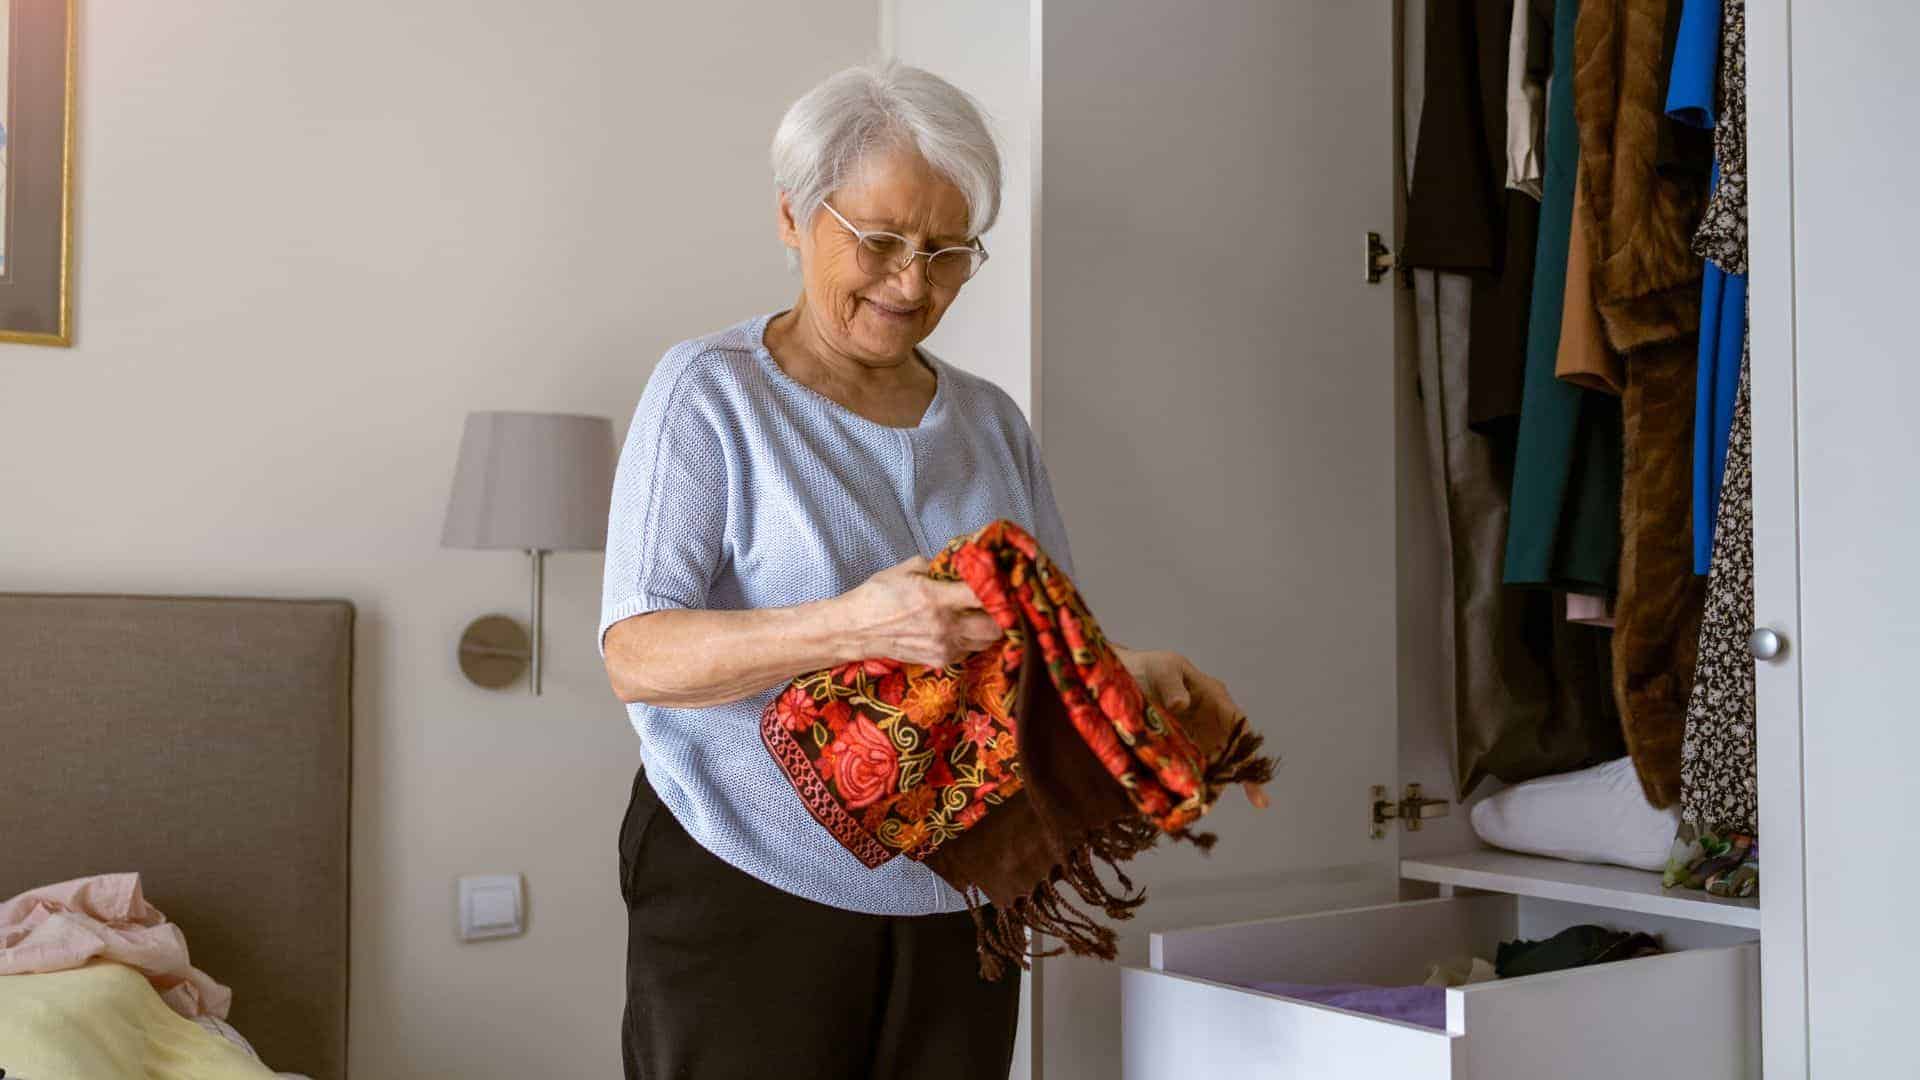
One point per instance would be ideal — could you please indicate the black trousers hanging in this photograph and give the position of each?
(730, 977)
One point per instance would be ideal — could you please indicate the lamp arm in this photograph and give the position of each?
(539, 557)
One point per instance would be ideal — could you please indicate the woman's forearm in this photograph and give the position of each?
(683, 658)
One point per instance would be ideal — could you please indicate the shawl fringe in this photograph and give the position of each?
(1002, 934)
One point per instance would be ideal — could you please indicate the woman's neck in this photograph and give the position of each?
(896, 392)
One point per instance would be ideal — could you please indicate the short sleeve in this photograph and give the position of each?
(1048, 527)
(666, 523)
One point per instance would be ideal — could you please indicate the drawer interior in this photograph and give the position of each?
(1693, 1011)
(1396, 944)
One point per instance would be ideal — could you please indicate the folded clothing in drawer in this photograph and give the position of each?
(1576, 946)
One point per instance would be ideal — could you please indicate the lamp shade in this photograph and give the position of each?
(535, 481)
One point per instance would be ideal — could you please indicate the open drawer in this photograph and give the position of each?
(1691, 1013)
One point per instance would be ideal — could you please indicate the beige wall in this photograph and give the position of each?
(312, 236)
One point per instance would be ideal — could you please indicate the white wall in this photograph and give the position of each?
(984, 47)
(311, 237)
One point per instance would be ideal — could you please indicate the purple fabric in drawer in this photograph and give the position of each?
(1422, 1005)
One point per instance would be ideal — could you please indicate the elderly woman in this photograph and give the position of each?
(780, 490)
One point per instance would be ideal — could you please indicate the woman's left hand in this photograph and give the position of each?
(1199, 701)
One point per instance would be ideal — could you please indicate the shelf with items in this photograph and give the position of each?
(1617, 887)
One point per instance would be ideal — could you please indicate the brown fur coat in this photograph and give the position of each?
(1646, 284)
(1646, 278)
(1657, 617)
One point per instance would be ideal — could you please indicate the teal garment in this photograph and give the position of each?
(1563, 529)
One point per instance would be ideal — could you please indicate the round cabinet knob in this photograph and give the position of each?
(1765, 644)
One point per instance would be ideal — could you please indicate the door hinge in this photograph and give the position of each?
(1380, 258)
(1411, 810)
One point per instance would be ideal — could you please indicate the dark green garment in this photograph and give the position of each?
(1564, 528)
(1576, 946)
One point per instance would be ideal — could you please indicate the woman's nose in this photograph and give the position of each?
(912, 280)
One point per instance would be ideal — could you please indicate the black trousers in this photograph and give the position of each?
(729, 977)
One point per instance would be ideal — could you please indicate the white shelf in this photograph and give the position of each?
(1579, 883)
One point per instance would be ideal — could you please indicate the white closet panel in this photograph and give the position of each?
(1855, 163)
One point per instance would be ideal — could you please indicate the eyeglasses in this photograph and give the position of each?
(883, 254)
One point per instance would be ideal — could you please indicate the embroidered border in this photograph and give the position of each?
(814, 794)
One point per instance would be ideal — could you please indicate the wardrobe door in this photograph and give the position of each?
(1842, 332)
(1215, 399)
(1776, 536)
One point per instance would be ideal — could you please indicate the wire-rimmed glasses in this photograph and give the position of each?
(883, 254)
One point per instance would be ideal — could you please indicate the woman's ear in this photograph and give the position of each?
(783, 217)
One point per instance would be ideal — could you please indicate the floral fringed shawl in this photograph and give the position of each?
(1011, 771)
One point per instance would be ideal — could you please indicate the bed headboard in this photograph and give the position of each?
(206, 743)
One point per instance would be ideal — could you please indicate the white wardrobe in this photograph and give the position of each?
(1226, 408)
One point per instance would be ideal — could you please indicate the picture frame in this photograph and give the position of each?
(36, 171)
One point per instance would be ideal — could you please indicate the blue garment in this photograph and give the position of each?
(1723, 325)
(1691, 85)
(740, 487)
(1696, 64)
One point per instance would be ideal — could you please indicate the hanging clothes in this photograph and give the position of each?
(1708, 86)
(1460, 215)
(1646, 278)
(1695, 52)
(1528, 65)
(1564, 529)
(1718, 784)
(1693, 43)
(1723, 329)
(1722, 236)
(1525, 699)
(1723, 243)
(1657, 613)
(1528, 698)
(1647, 287)
(1585, 358)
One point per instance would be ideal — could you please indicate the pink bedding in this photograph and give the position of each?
(58, 927)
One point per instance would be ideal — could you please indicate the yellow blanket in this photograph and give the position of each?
(105, 1022)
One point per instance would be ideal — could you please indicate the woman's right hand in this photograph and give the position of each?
(903, 614)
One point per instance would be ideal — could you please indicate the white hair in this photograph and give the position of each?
(834, 127)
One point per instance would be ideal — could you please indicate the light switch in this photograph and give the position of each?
(490, 906)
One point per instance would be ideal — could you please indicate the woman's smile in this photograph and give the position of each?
(893, 313)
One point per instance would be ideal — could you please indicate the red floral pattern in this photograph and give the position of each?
(866, 765)
(898, 758)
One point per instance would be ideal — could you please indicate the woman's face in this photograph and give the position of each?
(871, 318)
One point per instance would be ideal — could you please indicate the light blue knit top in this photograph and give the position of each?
(740, 487)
